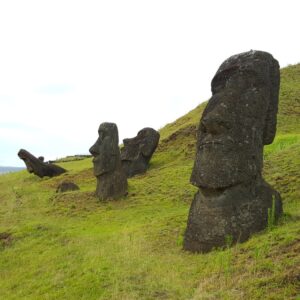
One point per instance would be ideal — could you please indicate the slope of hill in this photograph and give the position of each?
(71, 246)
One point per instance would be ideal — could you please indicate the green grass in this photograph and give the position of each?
(71, 246)
(282, 141)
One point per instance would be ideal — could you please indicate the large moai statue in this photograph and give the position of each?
(233, 199)
(137, 151)
(38, 167)
(111, 179)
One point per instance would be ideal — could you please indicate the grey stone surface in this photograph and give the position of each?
(38, 167)
(111, 179)
(239, 119)
(137, 152)
(67, 186)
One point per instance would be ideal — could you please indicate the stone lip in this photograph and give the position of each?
(137, 152)
(38, 167)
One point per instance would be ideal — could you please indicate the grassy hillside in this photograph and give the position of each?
(71, 246)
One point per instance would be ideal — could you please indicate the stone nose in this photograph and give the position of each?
(94, 150)
(213, 123)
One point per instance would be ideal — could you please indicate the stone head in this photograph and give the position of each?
(239, 119)
(38, 166)
(144, 144)
(105, 150)
(30, 161)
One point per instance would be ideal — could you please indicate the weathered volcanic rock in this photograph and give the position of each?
(38, 167)
(111, 179)
(233, 213)
(67, 186)
(137, 151)
(240, 118)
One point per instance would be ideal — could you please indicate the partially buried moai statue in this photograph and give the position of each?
(233, 199)
(137, 151)
(111, 179)
(38, 167)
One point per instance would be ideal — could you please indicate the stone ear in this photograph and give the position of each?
(271, 117)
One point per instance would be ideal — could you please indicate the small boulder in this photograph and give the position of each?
(67, 186)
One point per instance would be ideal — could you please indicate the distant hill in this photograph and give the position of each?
(10, 169)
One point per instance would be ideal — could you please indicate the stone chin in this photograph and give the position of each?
(221, 166)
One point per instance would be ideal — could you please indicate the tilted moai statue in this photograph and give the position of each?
(111, 179)
(38, 167)
(233, 199)
(137, 152)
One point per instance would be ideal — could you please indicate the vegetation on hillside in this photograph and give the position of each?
(71, 246)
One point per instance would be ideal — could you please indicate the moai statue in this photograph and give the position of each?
(111, 179)
(38, 167)
(137, 151)
(233, 199)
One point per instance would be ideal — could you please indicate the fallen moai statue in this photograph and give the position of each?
(38, 167)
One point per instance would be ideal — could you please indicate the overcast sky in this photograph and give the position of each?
(67, 66)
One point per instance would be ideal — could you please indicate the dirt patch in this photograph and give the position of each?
(189, 132)
(292, 277)
(186, 131)
(5, 239)
(289, 250)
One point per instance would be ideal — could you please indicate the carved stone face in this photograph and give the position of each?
(105, 150)
(30, 161)
(232, 130)
(144, 144)
(137, 151)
